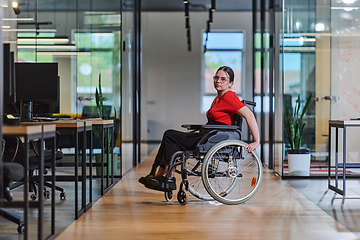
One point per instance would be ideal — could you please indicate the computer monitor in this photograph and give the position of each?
(37, 89)
(9, 94)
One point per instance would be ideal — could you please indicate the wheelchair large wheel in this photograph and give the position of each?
(230, 174)
(195, 185)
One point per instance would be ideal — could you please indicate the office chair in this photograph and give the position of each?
(92, 112)
(10, 172)
(14, 152)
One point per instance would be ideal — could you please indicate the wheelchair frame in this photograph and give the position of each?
(220, 143)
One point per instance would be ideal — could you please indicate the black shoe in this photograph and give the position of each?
(143, 180)
(161, 183)
(163, 179)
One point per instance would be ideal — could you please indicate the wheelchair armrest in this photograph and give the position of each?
(247, 102)
(192, 126)
(220, 127)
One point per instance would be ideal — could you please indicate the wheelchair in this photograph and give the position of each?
(218, 169)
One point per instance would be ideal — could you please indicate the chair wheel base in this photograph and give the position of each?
(21, 228)
(62, 196)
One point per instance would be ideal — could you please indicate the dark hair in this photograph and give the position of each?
(229, 71)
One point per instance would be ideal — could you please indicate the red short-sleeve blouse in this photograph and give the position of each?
(223, 109)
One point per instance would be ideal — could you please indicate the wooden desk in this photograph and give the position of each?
(106, 132)
(344, 124)
(87, 135)
(76, 128)
(29, 133)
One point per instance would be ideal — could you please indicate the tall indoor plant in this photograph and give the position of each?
(104, 115)
(298, 158)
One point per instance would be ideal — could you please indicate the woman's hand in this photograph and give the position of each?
(251, 147)
(246, 113)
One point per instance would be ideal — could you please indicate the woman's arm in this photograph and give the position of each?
(246, 113)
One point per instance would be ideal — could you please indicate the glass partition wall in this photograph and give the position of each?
(320, 55)
(298, 56)
(127, 113)
(84, 38)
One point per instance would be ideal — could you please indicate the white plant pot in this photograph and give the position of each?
(299, 164)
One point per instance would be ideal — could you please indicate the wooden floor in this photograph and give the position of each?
(277, 211)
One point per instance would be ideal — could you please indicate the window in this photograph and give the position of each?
(30, 42)
(222, 49)
(100, 37)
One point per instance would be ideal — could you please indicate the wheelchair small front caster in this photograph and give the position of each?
(46, 194)
(168, 196)
(21, 228)
(62, 196)
(182, 197)
(33, 197)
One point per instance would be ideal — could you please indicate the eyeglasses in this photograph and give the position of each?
(223, 79)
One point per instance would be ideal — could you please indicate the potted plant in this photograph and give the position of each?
(298, 158)
(104, 114)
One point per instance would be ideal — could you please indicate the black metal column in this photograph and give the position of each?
(1, 96)
(254, 22)
(271, 82)
(137, 81)
(262, 79)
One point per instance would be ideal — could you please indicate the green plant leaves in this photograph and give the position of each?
(99, 98)
(294, 124)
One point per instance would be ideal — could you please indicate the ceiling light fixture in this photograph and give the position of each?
(16, 7)
(72, 53)
(187, 23)
(9, 41)
(29, 30)
(348, 1)
(62, 47)
(187, 10)
(319, 27)
(18, 19)
(300, 39)
(213, 5)
(40, 40)
(102, 34)
(208, 26)
(344, 8)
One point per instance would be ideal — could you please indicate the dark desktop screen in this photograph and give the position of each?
(37, 82)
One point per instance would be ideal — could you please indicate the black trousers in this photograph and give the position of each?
(172, 142)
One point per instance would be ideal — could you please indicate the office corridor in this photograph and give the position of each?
(277, 211)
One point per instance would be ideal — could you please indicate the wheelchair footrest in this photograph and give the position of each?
(161, 186)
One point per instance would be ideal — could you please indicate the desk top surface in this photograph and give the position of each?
(344, 122)
(60, 123)
(21, 130)
(99, 121)
(102, 122)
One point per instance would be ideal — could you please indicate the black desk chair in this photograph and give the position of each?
(14, 152)
(92, 112)
(11, 172)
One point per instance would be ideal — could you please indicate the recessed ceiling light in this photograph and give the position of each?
(348, 1)
(18, 19)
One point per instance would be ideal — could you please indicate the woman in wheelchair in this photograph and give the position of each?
(221, 112)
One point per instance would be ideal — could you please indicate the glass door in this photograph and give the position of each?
(305, 62)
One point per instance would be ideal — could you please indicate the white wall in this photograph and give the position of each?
(67, 87)
(173, 74)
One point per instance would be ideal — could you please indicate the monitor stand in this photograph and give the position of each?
(26, 110)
